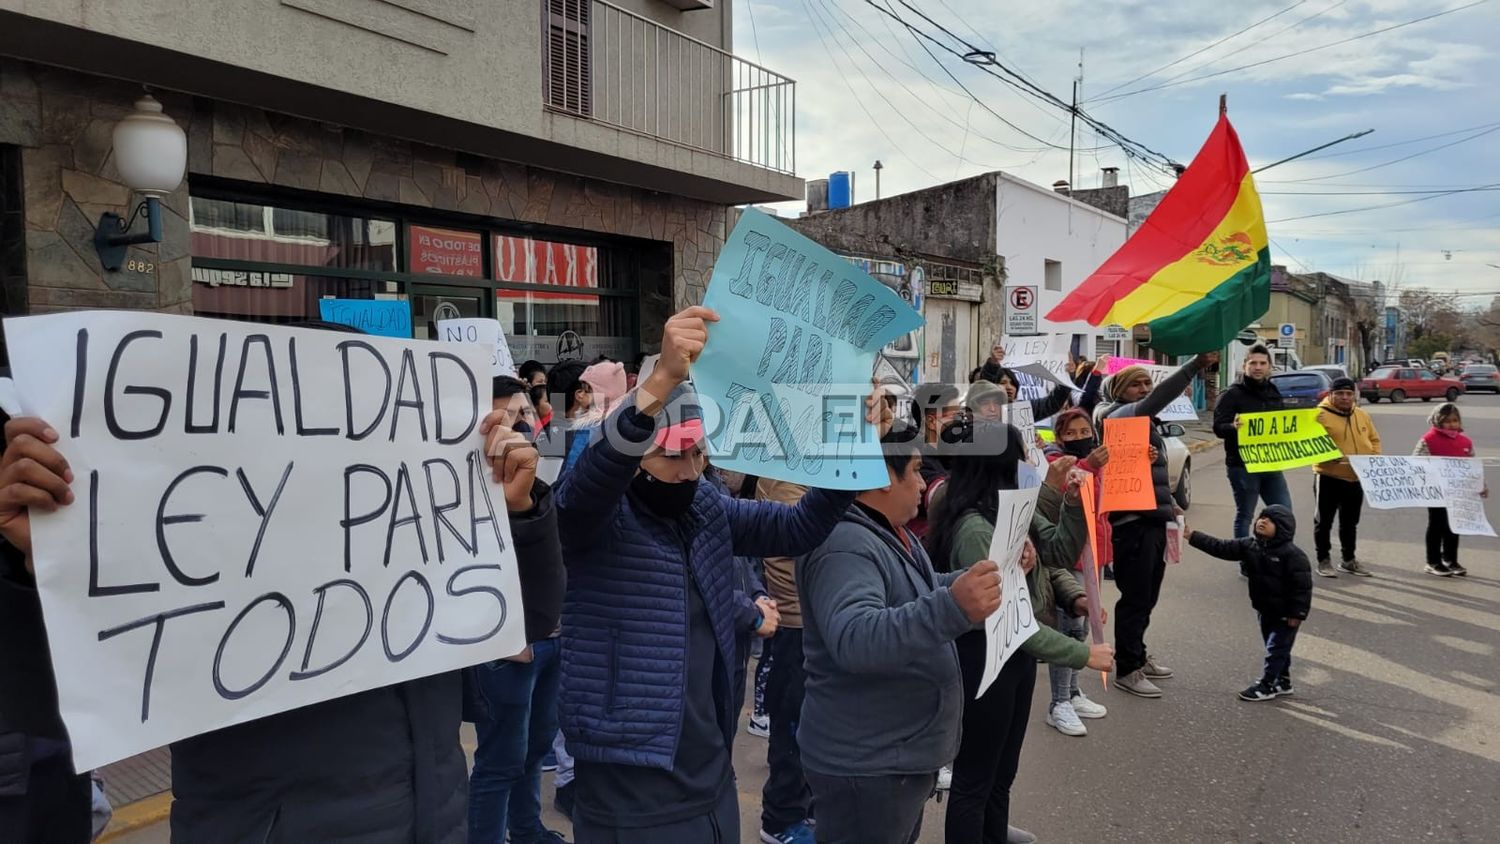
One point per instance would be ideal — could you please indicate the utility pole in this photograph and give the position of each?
(878, 168)
(1073, 122)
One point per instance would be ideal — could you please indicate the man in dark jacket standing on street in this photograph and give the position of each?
(1253, 393)
(884, 699)
(649, 618)
(1280, 590)
(1140, 536)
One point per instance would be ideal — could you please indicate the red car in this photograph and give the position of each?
(1401, 383)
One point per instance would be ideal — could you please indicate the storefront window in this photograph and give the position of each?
(434, 251)
(262, 296)
(245, 231)
(551, 327)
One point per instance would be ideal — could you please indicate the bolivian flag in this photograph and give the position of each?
(1198, 270)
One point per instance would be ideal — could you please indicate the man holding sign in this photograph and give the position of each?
(1254, 393)
(878, 632)
(285, 756)
(1140, 535)
(649, 624)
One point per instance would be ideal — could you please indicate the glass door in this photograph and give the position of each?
(431, 303)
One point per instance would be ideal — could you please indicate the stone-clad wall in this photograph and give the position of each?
(63, 121)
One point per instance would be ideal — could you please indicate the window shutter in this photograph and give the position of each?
(569, 70)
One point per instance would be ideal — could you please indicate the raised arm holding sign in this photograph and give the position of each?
(789, 360)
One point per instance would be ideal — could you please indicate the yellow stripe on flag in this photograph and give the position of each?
(1191, 277)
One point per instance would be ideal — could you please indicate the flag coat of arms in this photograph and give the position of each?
(1199, 268)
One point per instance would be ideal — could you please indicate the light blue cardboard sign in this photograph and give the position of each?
(787, 368)
(381, 317)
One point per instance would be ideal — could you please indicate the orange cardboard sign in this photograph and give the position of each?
(1127, 476)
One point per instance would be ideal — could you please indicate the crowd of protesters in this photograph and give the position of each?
(647, 575)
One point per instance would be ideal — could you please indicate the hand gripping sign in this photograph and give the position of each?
(265, 517)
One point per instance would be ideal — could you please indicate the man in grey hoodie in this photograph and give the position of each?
(884, 697)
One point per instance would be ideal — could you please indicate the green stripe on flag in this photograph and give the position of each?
(1211, 322)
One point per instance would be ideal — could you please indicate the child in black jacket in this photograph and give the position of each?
(1280, 590)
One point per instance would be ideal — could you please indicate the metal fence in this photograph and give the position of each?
(604, 63)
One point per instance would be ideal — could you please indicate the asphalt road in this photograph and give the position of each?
(1394, 734)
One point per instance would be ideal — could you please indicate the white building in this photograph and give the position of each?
(1051, 241)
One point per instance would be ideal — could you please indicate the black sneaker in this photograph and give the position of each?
(1439, 570)
(1258, 692)
(1456, 569)
(1284, 687)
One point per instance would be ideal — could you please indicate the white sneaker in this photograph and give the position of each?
(1066, 720)
(760, 727)
(945, 778)
(1086, 708)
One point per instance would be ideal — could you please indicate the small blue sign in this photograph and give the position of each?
(381, 317)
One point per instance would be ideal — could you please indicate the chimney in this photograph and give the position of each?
(1061, 186)
(1111, 177)
(817, 196)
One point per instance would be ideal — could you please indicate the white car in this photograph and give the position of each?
(1179, 463)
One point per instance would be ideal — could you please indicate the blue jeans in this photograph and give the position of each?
(515, 726)
(1065, 679)
(1251, 487)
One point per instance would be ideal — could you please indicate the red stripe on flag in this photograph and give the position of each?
(1189, 212)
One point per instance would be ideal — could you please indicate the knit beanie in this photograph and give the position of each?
(1116, 383)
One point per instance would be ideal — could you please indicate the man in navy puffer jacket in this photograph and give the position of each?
(649, 617)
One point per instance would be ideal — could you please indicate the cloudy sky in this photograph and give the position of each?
(868, 90)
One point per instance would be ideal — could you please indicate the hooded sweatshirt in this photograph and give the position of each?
(884, 690)
(1279, 573)
(1353, 432)
(1246, 396)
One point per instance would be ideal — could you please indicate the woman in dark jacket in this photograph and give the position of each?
(994, 723)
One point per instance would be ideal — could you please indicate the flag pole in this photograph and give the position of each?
(1223, 104)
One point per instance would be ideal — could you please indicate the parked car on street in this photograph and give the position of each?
(1334, 371)
(1303, 388)
(1481, 376)
(1401, 383)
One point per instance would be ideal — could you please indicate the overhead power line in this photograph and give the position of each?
(1388, 205)
(987, 62)
(1201, 50)
(1297, 54)
(1494, 128)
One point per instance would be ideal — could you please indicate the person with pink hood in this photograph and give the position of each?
(1446, 439)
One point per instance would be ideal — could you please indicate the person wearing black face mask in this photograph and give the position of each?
(649, 618)
(1077, 439)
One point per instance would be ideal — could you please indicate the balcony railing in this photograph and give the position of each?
(610, 65)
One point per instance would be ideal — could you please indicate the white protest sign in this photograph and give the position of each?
(486, 332)
(10, 400)
(1014, 622)
(1020, 415)
(1395, 481)
(266, 517)
(1181, 409)
(1036, 361)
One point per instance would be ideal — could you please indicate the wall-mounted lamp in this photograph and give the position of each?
(151, 155)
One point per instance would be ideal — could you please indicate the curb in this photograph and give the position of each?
(132, 817)
(1203, 445)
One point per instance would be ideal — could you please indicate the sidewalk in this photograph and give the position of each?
(139, 789)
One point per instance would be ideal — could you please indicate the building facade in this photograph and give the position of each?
(562, 165)
(966, 248)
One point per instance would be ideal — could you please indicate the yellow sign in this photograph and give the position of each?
(1284, 439)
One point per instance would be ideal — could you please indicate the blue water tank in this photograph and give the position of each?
(840, 189)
